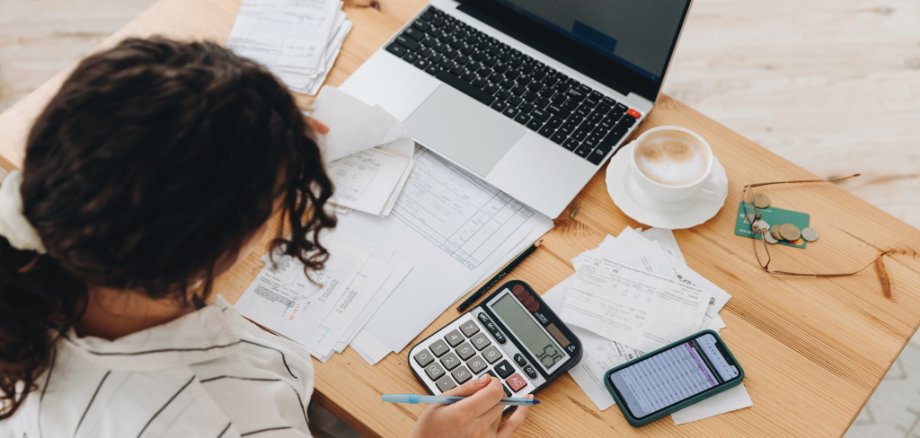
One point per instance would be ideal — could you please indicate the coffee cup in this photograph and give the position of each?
(671, 163)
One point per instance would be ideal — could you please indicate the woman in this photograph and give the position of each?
(153, 170)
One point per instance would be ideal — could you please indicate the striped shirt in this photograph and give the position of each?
(210, 373)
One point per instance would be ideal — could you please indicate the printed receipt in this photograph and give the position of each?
(615, 294)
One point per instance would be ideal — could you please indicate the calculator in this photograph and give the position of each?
(513, 335)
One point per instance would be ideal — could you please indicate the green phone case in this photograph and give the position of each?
(637, 422)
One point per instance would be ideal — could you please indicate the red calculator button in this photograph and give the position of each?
(635, 114)
(516, 382)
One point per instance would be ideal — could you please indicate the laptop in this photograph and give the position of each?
(532, 96)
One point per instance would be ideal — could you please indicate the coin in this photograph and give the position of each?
(761, 201)
(770, 239)
(790, 232)
(760, 225)
(774, 231)
(809, 234)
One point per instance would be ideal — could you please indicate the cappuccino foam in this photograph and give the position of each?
(672, 158)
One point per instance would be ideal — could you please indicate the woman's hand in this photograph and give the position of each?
(317, 126)
(479, 415)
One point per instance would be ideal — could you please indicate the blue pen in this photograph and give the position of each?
(450, 399)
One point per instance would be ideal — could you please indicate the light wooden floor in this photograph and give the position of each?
(833, 85)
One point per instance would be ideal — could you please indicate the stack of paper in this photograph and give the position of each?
(368, 151)
(298, 40)
(633, 294)
(326, 311)
(451, 228)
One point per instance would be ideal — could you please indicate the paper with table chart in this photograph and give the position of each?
(455, 231)
(368, 165)
(325, 314)
(298, 40)
(601, 354)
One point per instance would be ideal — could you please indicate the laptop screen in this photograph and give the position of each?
(636, 34)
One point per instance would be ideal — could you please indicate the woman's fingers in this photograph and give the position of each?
(507, 427)
(317, 126)
(483, 399)
(470, 387)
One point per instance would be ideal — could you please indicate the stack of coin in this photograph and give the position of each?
(779, 232)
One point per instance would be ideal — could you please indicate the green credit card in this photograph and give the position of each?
(772, 216)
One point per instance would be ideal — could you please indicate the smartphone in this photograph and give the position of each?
(673, 377)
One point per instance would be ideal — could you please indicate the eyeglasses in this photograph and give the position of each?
(762, 249)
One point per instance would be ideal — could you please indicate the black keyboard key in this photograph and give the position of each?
(547, 131)
(597, 156)
(583, 151)
(433, 70)
(535, 124)
(511, 112)
(500, 105)
(558, 137)
(422, 63)
(464, 87)
(397, 49)
(421, 25)
(540, 115)
(570, 144)
(411, 57)
(522, 118)
(407, 42)
(414, 33)
(627, 121)
(527, 107)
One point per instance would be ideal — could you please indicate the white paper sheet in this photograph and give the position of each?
(368, 165)
(601, 354)
(617, 295)
(453, 229)
(290, 33)
(284, 300)
(298, 40)
(730, 400)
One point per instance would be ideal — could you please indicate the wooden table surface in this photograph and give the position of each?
(813, 349)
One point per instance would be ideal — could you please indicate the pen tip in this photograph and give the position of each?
(536, 402)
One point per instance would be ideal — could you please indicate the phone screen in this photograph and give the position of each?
(673, 375)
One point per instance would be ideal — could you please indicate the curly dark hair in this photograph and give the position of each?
(152, 167)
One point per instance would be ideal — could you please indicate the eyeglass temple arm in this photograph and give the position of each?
(803, 181)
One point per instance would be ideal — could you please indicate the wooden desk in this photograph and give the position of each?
(813, 349)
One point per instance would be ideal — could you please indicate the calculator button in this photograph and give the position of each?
(453, 338)
(465, 350)
(461, 374)
(480, 341)
(476, 364)
(519, 359)
(530, 371)
(492, 354)
(446, 384)
(469, 328)
(492, 328)
(434, 371)
(450, 361)
(516, 382)
(504, 369)
(423, 358)
(439, 348)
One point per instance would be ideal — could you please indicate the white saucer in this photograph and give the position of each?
(632, 200)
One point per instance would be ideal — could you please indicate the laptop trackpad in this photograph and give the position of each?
(463, 129)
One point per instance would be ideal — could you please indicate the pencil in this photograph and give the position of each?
(467, 303)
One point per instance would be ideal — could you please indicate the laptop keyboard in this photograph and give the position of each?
(546, 101)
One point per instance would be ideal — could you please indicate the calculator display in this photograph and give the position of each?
(527, 331)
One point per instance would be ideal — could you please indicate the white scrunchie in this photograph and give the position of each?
(13, 224)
